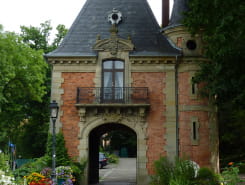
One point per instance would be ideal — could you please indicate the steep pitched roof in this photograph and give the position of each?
(180, 6)
(138, 22)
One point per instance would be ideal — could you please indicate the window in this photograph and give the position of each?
(193, 86)
(112, 81)
(194, 131)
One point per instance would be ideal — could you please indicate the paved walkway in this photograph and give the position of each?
(122, 174)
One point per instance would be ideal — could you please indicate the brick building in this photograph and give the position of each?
(117, 69)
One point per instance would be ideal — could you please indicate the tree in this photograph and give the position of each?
(62, 158)
(221, 24)
(26, 118)
(38, 37)
(61, 32)
(38, 124)
(23, 72)
(122, 139)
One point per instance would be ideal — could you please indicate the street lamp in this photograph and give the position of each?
(54, 109)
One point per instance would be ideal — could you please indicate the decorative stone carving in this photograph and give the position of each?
(142, 114)
(114, 17)
(114, 44)
(132, 117)
(82, 113)
(112, 117)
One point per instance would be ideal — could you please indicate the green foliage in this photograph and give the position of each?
(206, 177)
(230, 175)
(182, 172)
(4, 162)
(25, 87)
(38, 37)
(168, 173)
(78, 170)
(22, 77)
(163, 171)
(112, 158)
(32, 138)
(122, 139)
(221, 25)
(35, 166)
(62, 158)
(61, 32)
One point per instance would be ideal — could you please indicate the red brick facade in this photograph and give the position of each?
(156, 119)
(200, 153)
(156, 131)
(70, 117)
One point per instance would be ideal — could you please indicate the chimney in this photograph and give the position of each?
(165, 13)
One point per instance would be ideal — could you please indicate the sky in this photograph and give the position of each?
(15, 13)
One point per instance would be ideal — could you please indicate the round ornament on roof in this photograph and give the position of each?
(114, 17)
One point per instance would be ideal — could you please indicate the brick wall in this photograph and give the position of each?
(156, 119)
(70, 117)
(200, 153)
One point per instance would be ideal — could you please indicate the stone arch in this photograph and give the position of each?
(140, 131)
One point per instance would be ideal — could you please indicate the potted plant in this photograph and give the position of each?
(64, 175)
(38, 179)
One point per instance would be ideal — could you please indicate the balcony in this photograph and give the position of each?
(112, 97)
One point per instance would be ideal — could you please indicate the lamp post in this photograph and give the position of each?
(54, 109)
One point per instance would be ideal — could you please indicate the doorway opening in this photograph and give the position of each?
(112, 139)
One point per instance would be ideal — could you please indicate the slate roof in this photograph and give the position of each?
(138, 22)
(179, 7)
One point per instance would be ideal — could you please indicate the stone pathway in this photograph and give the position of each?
(122, 174)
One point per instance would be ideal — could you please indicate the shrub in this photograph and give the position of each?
(112, 158)
(230, 175)
(36, 166)
(78, 170)
(181, 172)
(4, 162)
(62, 158)
(207, 177)
(163, 171)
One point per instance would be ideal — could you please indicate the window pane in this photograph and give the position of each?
(107, 90)
(107, 65)
(119, 79)
(107, 79)
(119, 65)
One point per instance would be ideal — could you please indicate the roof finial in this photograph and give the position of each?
(113, 30)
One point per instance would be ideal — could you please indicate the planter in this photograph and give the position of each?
(60, 181)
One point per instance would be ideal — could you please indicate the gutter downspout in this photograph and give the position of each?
(177, 104)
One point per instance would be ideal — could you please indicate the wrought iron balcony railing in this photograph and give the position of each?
(105, 95)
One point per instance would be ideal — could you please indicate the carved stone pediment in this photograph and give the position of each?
(114, 44)
(132, 116)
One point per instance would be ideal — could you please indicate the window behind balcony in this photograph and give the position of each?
(112, 81)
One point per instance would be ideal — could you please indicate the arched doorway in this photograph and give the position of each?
(119, 132)
(95, 121)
